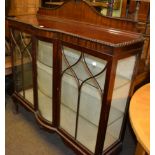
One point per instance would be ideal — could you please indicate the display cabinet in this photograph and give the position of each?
(75, 73)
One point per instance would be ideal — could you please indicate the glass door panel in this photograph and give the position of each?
(121, 90)
(44, 79)
(27, 67)
(17, 71)
(82, 83)
(23, 64)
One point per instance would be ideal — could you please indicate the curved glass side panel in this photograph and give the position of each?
(82, 84)
(121, 90)
(69, 96)
(22, 57)
(44, 79)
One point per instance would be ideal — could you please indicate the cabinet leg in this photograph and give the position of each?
(16, 107)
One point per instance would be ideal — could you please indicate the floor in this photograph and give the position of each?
(25, 137)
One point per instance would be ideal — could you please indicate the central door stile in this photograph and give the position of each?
(34, 73)
(56, 81)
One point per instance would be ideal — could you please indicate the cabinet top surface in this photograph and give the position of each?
(109, 36)
(80, 20)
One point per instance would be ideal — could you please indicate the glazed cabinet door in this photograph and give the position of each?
(22, 65)
(82, 84)
(44, 63)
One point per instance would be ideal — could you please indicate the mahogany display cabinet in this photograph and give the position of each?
(75, 72)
